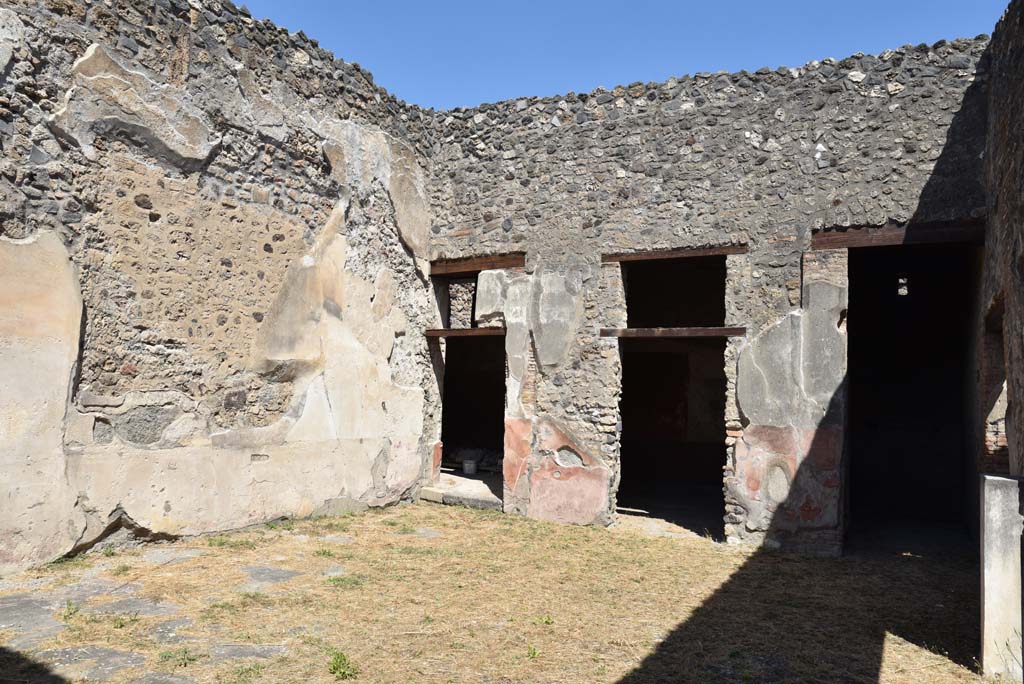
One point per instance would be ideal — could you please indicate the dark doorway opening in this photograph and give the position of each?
(910, 331)
(673, 394)
(473, 407)
(672, 408)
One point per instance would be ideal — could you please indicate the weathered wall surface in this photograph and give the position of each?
(1002, 288)
(1001, 353)
(786, 476)
(237, 224)
(762, 159)
(40, 319)
(240, 226)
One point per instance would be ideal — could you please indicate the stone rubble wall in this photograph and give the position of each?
(217, 239)
(1000, 338)
(222, 238)
(1002, 292)
(762, 159)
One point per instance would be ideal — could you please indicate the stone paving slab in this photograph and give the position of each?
(93, 587)
(170, 555)
(264, 576)
(163, 678)
(267, 574)
(168, 631)
(337, 539)
(31, 616)
(141, 607)
(222, 652)
(90, 662)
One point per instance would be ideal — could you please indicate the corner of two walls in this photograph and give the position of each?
(1000, 339)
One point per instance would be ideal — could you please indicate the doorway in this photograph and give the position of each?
(910, 331)
(473, 409)
(673, 393)
(672, 408)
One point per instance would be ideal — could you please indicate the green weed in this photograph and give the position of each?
(340, 666)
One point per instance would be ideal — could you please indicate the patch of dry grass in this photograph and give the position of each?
(499, 599)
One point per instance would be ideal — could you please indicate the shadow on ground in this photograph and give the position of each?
(787, 619)
(16, 668)
(784, 618)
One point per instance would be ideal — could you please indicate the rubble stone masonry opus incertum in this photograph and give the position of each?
(222, 249)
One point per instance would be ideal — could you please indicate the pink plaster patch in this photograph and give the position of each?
(559, 487)
(572, 494)
(770, 439)
(518, 439)
(809, 511)
(824, 446)
(435, 473)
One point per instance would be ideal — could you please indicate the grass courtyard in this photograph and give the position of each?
(428, 593)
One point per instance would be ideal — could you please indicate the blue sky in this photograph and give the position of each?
(450, 53)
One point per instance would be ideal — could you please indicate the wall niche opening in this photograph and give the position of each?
(675, 293)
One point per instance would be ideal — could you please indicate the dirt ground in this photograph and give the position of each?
(428, 593)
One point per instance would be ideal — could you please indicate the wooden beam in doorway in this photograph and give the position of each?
(891, 235)
(472, 265)
(672, 333)
(465, 332)
(674, 253)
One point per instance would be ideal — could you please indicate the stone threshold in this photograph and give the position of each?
(472, 491)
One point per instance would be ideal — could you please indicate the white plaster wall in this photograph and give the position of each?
(40, 317)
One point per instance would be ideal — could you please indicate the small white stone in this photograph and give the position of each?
(856, 76)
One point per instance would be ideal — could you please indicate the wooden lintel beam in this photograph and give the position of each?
(887, 236)
(472, 265)
(669, 333)
(465, 332)
(674, 253)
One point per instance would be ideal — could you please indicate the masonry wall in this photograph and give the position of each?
(762, 159)
(214, 240)
(1001, 358)
(1002, 290)
(214, 267)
